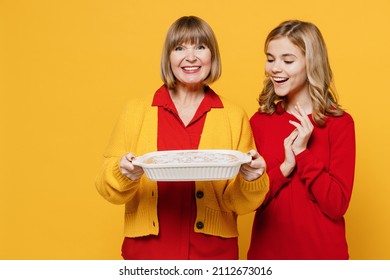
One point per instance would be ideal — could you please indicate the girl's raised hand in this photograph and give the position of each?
(305, 129)
(289, 162)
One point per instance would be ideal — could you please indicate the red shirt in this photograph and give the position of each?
(176, 200)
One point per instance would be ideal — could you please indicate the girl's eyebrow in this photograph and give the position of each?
(288, 54)
(283, 55)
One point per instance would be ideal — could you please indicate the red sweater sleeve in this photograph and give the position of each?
(331, 187)
(277, 182)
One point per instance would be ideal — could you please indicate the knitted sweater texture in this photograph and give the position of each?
(303, 215)
(136, 132)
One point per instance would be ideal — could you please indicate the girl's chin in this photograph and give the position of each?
(281, 93)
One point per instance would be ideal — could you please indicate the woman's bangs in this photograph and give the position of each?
(190, 36)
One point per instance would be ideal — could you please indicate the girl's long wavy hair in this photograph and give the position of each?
(308, 38)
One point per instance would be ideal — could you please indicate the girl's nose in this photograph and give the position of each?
(276, 67)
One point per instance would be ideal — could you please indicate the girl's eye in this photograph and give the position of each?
(270, 58)
(288, 61)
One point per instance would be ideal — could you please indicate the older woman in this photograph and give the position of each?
(182, 220)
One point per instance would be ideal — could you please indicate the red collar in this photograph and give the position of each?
(163, 99)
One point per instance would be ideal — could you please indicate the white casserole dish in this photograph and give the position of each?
(192, 165)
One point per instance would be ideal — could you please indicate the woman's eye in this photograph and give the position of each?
(179, 48)
(269, 60)
(288, 61)
(201, 47)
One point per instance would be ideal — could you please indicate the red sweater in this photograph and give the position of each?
(302, 216)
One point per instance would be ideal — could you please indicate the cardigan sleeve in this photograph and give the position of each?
(110, 182)
(331, 187)
(113, 185)
(244, 196)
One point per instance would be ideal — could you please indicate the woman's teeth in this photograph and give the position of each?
(191, 68)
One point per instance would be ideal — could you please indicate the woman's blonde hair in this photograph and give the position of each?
(308, 38)
(193, 30)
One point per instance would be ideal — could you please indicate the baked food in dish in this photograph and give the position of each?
(191, 157)
(192, 165)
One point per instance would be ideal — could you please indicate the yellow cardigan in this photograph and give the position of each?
(136, 132)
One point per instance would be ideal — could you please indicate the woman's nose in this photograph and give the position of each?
(191, 56)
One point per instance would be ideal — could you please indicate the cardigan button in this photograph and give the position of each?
(199, 194)
(199, 225)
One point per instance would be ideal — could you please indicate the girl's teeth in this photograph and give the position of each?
(279, 80)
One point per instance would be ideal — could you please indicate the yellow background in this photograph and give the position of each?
(68, 66)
